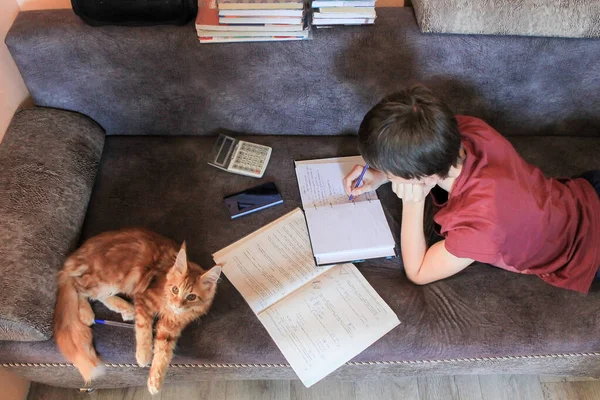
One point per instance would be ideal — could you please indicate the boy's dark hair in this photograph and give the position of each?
(410, 134)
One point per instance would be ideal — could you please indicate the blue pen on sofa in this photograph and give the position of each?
(114, 323)
(359, 180)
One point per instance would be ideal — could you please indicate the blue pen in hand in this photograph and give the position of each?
(359, 180)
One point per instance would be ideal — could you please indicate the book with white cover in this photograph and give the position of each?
(261, 13)
(260, 20)
(230, 34)
(343, 21)
(345, 12)
(342, 3)
(341, 230)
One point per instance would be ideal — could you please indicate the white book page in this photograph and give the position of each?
(270, 263)
(349, 228)
(327, 322)
(321, 181)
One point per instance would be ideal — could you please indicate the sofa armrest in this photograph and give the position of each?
(48, 163)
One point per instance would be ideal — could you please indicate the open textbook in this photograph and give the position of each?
(319, 317)
(341, 230)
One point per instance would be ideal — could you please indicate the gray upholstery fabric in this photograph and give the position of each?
(164, 183)
(161, 81)
(48, 162)
(565, 18)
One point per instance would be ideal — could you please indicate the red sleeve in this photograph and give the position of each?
(472, 237)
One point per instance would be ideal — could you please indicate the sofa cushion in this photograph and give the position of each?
(160, 81)
(48, 162)
(164, 183)
(565, 18)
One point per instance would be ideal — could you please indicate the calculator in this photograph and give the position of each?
(240, 157)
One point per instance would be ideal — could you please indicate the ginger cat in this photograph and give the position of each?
(142, 265)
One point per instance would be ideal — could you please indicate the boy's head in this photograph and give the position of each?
(411, 135)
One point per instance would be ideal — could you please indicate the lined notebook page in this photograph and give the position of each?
(327, 322)
(321, 181)
(345, 231)
(270, 263)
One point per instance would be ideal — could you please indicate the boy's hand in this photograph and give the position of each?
(411, 192)
(371, 181)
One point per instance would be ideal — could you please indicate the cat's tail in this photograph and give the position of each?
(73, 337)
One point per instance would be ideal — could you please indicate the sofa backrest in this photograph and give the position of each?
(161, 81)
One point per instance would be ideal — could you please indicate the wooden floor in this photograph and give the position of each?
(490, 387)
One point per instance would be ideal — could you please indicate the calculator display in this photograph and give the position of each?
(224, 150)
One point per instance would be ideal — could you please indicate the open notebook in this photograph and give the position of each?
(319, 317)
(341, 230)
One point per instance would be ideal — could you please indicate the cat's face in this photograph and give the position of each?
(189, 288)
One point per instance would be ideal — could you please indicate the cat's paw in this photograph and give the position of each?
(143, 356)
(86, 315)
(154, 384)
(128, 315)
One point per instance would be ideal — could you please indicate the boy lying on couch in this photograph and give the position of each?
(500, 210)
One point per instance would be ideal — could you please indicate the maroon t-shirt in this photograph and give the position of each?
(503, 211)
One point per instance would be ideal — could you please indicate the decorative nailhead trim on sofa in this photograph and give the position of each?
(404, 362)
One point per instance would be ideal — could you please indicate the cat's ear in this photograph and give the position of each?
(180, 265)
(211, 276)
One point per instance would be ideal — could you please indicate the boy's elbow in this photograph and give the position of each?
(418, 279)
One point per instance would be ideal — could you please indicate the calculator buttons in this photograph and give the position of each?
(250, 159)
(240, 157)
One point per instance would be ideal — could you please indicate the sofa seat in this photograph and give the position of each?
(483, 320)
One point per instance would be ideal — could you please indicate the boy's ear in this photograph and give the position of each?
(180, 265)
(211, 276)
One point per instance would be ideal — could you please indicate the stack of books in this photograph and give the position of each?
(327, 13)
(220, 21)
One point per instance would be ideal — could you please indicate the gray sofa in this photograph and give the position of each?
(119, 137)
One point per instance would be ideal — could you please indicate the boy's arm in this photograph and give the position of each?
(424, 265)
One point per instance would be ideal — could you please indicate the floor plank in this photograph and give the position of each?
(256, 390)
(38, 391)
(190, 391)
(588, 390)
(462, 387)
(468, 387)
(327, 389)
(559, 378)
(135, 393)
(389, 389)
(437, 387)
(510, 387)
